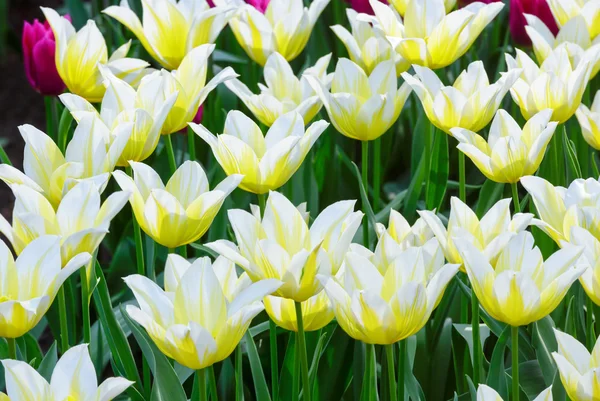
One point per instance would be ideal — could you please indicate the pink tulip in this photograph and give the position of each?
(260, 5)
(539, 8)
(199, 114)
(462, 3)
(363, 6)
(38, 55)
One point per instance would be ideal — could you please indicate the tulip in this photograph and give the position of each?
(567, 79)
(267, 162)
(74, 378)
(510, 153)
(589, 121)
(401, 5)
(180, 212)
(489, 235)
(485, 393)
(90, 156)
(359, 106)
(518, 287)
(366, 45)
(80, 219)
(29, 285)
(362, 6)
(285, 28)
(188, 82)
(172, 29)
(579, 370)
(260, 5)
(590, 279)
(317, 312)
(520, 13)
(281, 246)
(562, 208)
(283, 92)
(383, 304)
(430, 37)
(470, 103)
(78, 55)
(564, 10)
(38, 57)
(192, 320)
(121, 108)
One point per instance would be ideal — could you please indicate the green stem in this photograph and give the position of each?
(213, 383)
(201, 380)
(514, 332)
(239, 381)
(182, 251)
(262, 203)
(137, 234)
(427, 154)
(389, 352)
(401, 361)
(4, 157)
(302, 352)
(51, 116)
(365, 180)
(274, 360)
(66, 119)
(591, 336)
(476, 339)
(376, 174)
(12, 348)
(170, 153)
(515, 195)
(64, 324)
(462, 183)
(85, 303)
(296, 369)
(191, 143)
(369, 384)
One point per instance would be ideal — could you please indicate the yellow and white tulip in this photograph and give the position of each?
(74, 378)
(490, 234)
(29, 285)
(285, 28)
(589, 121)
(557, 84)
(283, 92)
(317, 312)
(79, 54)
(91, 155)
(280, 245)
(188, 82)
(470, 103)
(171, 29)
(566, 10)
(590, 279)
(486, 393)
(519, 287)
(430, 37)
(359, 106)
(180, 212)
(122, 115)
(559, 209)
(509, 153)
(579, 370)
(80, 219)
(366, 45)
(266, 162)
(385, 303)
(401, 5)
(192, 320)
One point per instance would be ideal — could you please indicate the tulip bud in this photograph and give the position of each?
(38, 57)
(539, 8)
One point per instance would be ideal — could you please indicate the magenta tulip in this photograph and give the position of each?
(38, 55)
(539, 8)
(199, 114)
(260, 5)
(362, 6)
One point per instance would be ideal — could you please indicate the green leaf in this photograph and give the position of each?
(258, 375)
(496, 377)
(166, 386)
(365, 198)
(78, 13)
(571, 154)
(49, 362)
(438, 175)
(414, 189)
(490, 193)
(544, 342)
(466, 331)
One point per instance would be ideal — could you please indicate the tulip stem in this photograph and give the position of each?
(274, 360)
(401, 361)
(515, 195)
(12, 348)
(4, 157)
(591, 336)
(462, 187)
(369, 384)
(170, 153)
(365, 181)
(201, 380)
(514, 332)
(476, 338)
(85, 303)
(212, 381)
(64, 325)
(262, 203)
(191, 143)
(137, 235)
(389, 352)
(51, 117)
(239, 381)
(376, 174)
(302, 353)
(64, 125)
